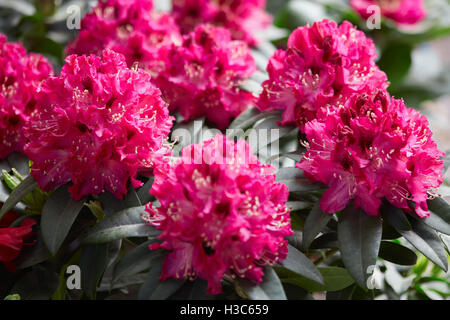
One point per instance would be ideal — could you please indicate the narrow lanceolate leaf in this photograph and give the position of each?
(397, 253)
(395, 217)
(154, 289)
(20, 162)
(25, 187)
(58, 215)
(334, 279)
(296, 181)
(139, 259)
(93, 262)
(300, 264)
(123, 224)
(439, 218)
(427, 241)
(359, 237)
(269, 289)
(314, 224)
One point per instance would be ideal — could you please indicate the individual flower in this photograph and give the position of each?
(20, 76)
(401, 11)
(244, 18)
(12, 240)
(372, 148)
(204, 76)
(221, 213)
(132, 28)
(323, 66)
(96, 125)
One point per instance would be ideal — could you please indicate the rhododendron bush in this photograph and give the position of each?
(223, 150)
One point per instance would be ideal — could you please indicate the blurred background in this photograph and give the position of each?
(416, 59)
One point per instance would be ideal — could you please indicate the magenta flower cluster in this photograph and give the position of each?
(204, 76)
(323, 65)
(373, 147)
(406, 12)
(20, 77)
(96, 125)
(222, 215)
(132, 28)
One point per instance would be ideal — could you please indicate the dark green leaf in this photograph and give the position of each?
(93, 262)
(397, 253)
(325, 241)
(154, 289)
(123, 224)
(314, 224)
(32, 255)
(359, 237)
(20, 162)
(38, 284)
(396, 61)
(269, 289)
(439, 218)
(334, 279)
(25, 187)
(139, 259)
(296, 181)
(395, 217)
(58, 215)
(297, 262)
(427, 241)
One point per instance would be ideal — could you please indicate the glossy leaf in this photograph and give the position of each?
(359, 237)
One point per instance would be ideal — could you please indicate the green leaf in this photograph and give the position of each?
(139, 259)
(58, 215)
(25, 187)
(427, 241)
(33, 255)
(325, 241)
(359, 237)
(248, 118)
(296, 181)
(19, 162)
(154, 289)
(93, 262)
(12, 297)
(314, 224)
(123, 224)
(269, 289)
(37, 284)
(396, 61)
(334, 279)
(397, 253)
(439, 218)
(395, 217)
(297, 262)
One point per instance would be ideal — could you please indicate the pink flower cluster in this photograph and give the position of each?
(323, 66)
(242, 17)
(371, 148)
(401, 11)
(222, 215)
(204, 76)
(96, 125)
(20, 76)
(132, 28)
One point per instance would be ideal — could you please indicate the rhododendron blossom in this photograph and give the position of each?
(401, 11)
(242, 17)
(20, 76)
(12, 240)
(372, 148)
(96, 125)
(204, 76)
(323, 66)
(132, 28)
(224, 215)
